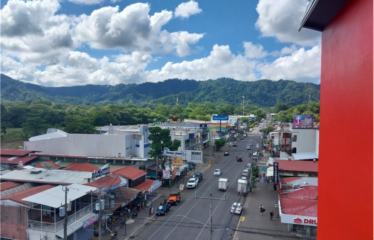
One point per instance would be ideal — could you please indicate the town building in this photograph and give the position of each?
(292, 168)
(346, 90)
(10, 159)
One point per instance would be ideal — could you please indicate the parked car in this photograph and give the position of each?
(163, 209)
(192, 164)
(244, 178)
(234, 144)
(237, 208)
(249, 166)
(226, 154)
(192, 183)
(217, 172)
(248, 147)
(198, 175)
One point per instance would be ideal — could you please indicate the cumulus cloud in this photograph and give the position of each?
(186, 9)
(254, 51)
(302, 65)
(281, 19)
(87, 2)
(133, 30)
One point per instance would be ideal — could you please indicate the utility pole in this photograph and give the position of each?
(66, 213)
(211, 218)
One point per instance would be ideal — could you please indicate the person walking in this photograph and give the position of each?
(271, 215)
(262, 209)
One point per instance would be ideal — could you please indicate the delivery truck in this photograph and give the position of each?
(242, 186)
(223, 184)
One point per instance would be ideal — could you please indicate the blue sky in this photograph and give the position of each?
(77, 42)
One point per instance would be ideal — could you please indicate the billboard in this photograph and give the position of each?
(220, 118)
(177, 161)
(275, 173)
(303, 120)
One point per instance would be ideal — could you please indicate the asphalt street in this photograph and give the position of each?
(191, 218)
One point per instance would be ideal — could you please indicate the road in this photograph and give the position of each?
(191, 218)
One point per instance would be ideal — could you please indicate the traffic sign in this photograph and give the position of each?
(220, 118)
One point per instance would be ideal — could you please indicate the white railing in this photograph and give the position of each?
(55, 227)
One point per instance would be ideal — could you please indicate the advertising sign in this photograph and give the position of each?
(90, 221)
(275, 173)
(166, 174)
(220, 118)
(300, 220)
(177, 161)
(173, 154)
(303, 120)
(156, 184)
(100, 172)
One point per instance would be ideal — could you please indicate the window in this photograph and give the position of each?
(196, 153)
(294, 138)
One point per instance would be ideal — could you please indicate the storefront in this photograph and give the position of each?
(301, 225)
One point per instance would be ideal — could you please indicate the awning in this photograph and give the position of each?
(152, 174)
(72, 228)
(124, 196)
(55, 197)
(305, 155)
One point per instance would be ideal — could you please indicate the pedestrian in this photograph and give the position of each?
(262, 209)
(271, 215)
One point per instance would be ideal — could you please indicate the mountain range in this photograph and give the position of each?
(262, 93)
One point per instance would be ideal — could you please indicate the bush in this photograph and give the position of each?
(13, 134)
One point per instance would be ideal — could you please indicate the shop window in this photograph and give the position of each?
(294, 138)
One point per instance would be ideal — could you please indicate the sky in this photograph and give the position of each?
(108, 42)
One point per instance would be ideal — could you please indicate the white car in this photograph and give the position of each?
(248, 147)
(238, 209)
(217, 172)
(192, 183)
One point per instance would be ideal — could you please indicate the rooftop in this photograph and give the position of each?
(12, 152)
(51, 133)
(297, 166)
(16, 159)
(19, 196)
(145, 186)
(39, 164)
(79, 166)
(302, 202)
(125, 195)
(107, 181)
(54, 176)
(129, 172)
(8, 185)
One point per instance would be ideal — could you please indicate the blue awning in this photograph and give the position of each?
(151, 174)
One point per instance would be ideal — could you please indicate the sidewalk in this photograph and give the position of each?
(253, 225)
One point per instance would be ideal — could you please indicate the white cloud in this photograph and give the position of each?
(254, 51)
(302, 66)
(281, 19)
(133, 30)
(87, 2)
(186, 9)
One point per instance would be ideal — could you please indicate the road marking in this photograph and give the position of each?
(237, 226)
(242, 219)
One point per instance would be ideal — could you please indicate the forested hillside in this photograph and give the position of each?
(262, 93)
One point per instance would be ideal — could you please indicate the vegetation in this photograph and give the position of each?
(304, 109)
(267, 129)
(262, 93)
(255, 171)
(219, 143)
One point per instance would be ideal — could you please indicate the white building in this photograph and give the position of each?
(233, 119)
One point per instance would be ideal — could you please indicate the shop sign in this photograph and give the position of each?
(156, 184)
(173, 153)
(305, 221)
(178, 161)
(166, 174)
(101, 172)
(90, 221)
(275, 173)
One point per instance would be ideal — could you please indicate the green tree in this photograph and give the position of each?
(79, 127)
(245, 120)
(219, 143)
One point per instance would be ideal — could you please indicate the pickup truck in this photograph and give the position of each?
(174, 198)
(238, 209)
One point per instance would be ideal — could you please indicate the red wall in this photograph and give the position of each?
(345, 198)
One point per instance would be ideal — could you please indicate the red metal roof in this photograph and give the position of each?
(297, 166)
(17, 197)
(8, 185)
(57, 155)
(290, 179)
(83, 167)
(13, 152)
(108, 181)
(16, 159)
(38, 165)
(145, 186)
(302, 202)
(129, 172)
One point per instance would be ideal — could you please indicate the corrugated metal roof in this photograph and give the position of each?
(55, 196)
(78, 166)
(13, 152)
(129, 172)
(7, 185)
(302, 202)
(108, 181)
(16, 159)
(145, 186)
(19, 196)
(38, 165)
(297, 166)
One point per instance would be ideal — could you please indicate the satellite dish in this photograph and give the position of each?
(47, 165)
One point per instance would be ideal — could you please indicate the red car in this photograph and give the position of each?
(239, 159)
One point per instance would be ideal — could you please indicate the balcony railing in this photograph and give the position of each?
(55, 227)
